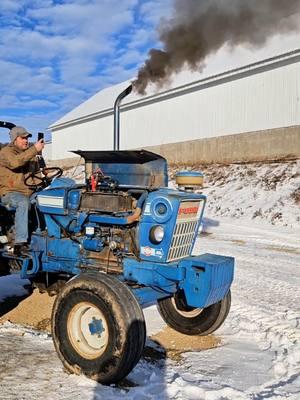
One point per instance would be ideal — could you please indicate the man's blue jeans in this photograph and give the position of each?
(21, 203)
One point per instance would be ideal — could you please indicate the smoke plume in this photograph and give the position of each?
(199, 28)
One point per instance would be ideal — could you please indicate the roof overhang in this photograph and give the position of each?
(214, 80)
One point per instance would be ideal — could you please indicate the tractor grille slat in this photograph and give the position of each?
(182, 241)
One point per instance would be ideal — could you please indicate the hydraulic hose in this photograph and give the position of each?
(135, 216)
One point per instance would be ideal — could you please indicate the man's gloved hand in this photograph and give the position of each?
(39, 145)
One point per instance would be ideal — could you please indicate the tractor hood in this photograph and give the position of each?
(128, 167)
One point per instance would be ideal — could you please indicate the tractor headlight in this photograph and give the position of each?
(157, 234)
(161, 209)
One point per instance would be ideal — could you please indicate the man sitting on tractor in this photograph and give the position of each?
(17, 160)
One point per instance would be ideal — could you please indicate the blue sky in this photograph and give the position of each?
(57, 53)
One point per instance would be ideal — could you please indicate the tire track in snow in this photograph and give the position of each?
(265, 306)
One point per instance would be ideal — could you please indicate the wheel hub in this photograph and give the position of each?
(190, 312)
(88, 330)
(96, 327)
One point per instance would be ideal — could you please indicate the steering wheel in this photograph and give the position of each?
(35, 181)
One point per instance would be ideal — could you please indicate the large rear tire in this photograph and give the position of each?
(4, 267)
(194, 321)
(98, 327)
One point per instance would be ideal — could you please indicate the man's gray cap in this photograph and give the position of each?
(18, 131)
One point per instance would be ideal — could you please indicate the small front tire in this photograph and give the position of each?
(194, 321)
(98, 327)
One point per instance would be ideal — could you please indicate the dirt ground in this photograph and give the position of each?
(35, 312)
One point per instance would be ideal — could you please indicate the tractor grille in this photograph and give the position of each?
(186, 223)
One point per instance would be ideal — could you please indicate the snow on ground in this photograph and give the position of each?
(258, 358)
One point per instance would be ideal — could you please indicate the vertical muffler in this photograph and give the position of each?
(117, 104)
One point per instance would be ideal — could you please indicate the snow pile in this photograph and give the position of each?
(268, 192)
(76, 173)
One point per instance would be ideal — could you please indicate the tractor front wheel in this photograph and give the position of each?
(98, 327)
(193, 321)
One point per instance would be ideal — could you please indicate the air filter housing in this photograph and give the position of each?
(189, 180)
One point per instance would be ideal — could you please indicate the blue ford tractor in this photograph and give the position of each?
(108, 248)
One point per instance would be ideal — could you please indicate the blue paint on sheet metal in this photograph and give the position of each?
(205, 279)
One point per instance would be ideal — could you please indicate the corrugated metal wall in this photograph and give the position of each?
(252, 102)
(47, 152)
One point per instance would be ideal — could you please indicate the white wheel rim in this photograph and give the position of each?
(187, 314)
(87, 330)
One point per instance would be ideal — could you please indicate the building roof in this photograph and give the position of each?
(101, 104)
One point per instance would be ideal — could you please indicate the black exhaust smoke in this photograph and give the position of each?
(199, 28)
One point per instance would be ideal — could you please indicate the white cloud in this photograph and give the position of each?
(19, 78)
(141, 38)
(90, 20)
(153, 10)
(54, 55)
(9, 6)
(130, 57)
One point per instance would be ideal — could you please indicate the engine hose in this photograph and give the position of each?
(135, 216)
(64, 230)
(37, 218)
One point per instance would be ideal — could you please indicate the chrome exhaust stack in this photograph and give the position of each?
(117, 104)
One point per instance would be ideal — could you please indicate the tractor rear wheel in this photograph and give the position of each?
(4, 267)
(194, 321)
(98, 327)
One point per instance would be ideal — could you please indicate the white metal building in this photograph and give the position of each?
(261, 96)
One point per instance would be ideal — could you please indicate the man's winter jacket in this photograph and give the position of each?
(15, 165)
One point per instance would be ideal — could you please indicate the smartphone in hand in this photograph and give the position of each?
(40, 136)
